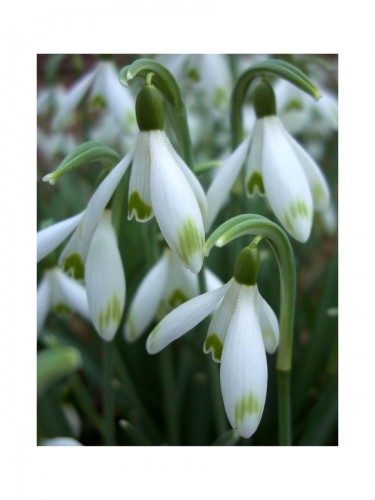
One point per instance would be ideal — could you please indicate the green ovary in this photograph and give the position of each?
(247, 406)
(176, 298)
(136, 204)
(190, 240)
(74, 263)
(255, 181)
(214, 343)
(110, 314)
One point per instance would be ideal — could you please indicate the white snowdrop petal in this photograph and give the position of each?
(61, 441)
(222, 317)
(182, 319)
(225, 178)
(192, 180)
(105, 279)
(212, 281)
(285, 182)
(181, 284)
(139, 199)
(268, 324)
(318, 184)
(73, 97)
(243, 371)
(175, 206)
(253, 177)
(43, 302)
(75, 252)
(119, 99)
(71, 293)
(50, 238)
(146, 300)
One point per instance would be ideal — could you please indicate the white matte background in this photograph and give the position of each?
(196, 26)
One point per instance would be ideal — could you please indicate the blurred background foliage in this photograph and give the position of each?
(174, 398)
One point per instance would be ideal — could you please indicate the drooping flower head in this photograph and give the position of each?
(276, 166)
(243, 327)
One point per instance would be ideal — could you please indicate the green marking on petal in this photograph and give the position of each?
(74, 264)
(214, 344)
(110, 314)
(296, 210)
(255, 181)
(131, 332)
(61, 308)
(190, 240)
(99, 101)
(137, 205)
(318, 193)
(247, 406)
(219, 97)
(176, 298)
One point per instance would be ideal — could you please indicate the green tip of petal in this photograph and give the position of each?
(214, 344)
(139, 207)
(74, 264)
(62, 309)
(247, 406)
(190, 242)
(111, 314)
(255, 181)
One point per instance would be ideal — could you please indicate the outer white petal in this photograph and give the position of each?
(268, 324)
(222, 184)
(50, 238)
(75, 252)
(139, 200)
(181, 283)
(182, 319)
(43, 302)
(243, 371)
(105, 279)
(253, 178)
(146, 300)
(192, 180)
(212, 281)
(119, 100)
(220, 322)
(73, 98)
(318, 184)
(69, 292)
(61, 441)
(175, 205)
(285, 182)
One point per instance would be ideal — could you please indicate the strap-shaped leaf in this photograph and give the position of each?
(85, 153)
(55, 363)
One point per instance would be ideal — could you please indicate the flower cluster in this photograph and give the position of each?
(88, 274)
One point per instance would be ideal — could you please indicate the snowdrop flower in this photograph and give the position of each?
(103, 85)
(167, 285)
(243, 327)
(161, 184)
(61, 294)
(101, 267)
(278, 167)
(61, 441)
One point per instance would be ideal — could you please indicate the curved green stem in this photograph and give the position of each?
(163, 79)
(273, 67)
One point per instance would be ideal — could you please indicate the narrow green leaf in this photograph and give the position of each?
(134, 434)
(55, 363)
(85, 153)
